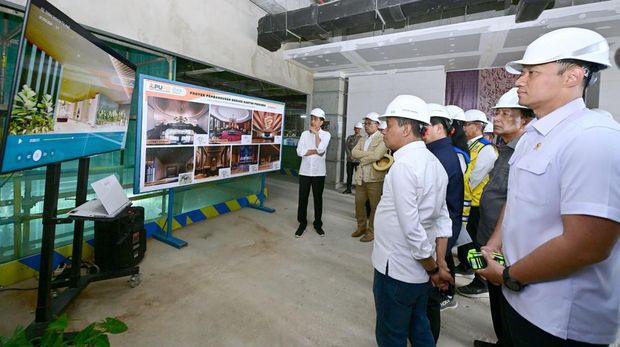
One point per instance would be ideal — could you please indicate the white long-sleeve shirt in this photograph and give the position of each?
(412, 213)
(484, 164)
(312, 165)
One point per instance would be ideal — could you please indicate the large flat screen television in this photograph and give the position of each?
(71, 96)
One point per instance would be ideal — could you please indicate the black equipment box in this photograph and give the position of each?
(121, 242)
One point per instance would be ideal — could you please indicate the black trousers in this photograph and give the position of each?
(305, 183)
(450, 261)
(496, 297)
(472, 228)
(525, 334)
(351, 167)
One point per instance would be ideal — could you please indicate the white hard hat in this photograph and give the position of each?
(382, 125)
(474, 115)
(488, 128)
(410, 107)
(317, 112)
(373, 116)
(456, 113)
(359, 125)
(509, 100)
(566, 43)
(437, 110)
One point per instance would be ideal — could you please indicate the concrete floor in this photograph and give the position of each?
(244, 280)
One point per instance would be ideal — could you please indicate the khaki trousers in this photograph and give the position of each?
(370, 191)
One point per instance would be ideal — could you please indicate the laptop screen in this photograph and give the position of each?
(111, 194)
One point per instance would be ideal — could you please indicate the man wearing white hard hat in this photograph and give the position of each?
(368, 180)
(487, 132)
(411, 215)
(439, 143)
(382, 126)
(561, 221)
(311, 148)
(482, 156)
(352, 164)
(509, 123)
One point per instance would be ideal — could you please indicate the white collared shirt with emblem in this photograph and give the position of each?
(566, 163)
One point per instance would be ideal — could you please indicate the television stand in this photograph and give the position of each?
(48, 307)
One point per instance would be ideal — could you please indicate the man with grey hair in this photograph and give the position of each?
(509, 124)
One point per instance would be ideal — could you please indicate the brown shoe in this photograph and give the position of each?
(358, 233)
(369, 236)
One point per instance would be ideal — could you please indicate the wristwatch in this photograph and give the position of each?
(510, 282)
(433, 271)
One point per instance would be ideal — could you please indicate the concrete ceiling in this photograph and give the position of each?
(483, 43)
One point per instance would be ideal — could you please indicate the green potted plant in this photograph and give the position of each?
(31, 115)
(95, 334)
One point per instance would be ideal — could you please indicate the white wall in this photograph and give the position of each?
(610, 87)
(217, 32)
(374, 92)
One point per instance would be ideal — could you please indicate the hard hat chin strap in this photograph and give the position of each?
(590, 70)
(586, 72)
(592, 78)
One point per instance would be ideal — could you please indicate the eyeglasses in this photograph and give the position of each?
(505, 115)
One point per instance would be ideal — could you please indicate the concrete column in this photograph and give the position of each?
(330, 95)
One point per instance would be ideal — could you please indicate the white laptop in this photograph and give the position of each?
(111, 200)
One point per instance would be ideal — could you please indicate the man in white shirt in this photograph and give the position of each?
(311, 148)
(561, 222)
(412, 213)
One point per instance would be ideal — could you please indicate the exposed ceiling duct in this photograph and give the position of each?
(347, 17)
(528, 10)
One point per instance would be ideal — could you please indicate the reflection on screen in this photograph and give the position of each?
(72, 94)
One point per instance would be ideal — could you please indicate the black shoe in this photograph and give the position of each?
(300, 230)
(448, 302)
(346, 192)
(320, 231)
(463, 270)
(478, 343)
(476, 289)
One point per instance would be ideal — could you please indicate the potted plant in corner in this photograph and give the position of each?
(95, 334)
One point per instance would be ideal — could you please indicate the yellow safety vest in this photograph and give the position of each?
(472, 197)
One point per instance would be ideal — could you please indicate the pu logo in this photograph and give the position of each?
(166, 89)
(159, 88)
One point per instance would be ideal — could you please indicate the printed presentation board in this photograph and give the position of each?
(188, 134)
